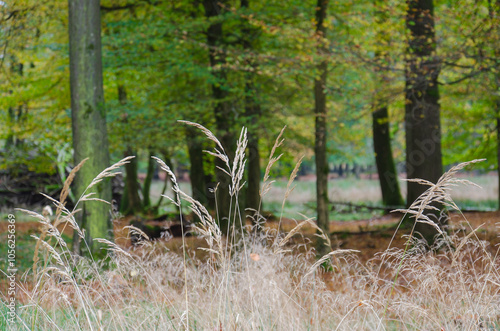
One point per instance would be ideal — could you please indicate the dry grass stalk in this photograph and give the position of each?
(153, 288)
(220, 152)
(66, 187)
(436, 193)
(272, 160)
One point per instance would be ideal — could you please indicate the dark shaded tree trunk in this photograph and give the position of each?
(146, 188)
(391, 195)
(90, 137)
(321, 130)
(422, 111)
(197, 171)
(253, 199)
(388, 177)
(252, 113)
(168, 161)
(15, 117)
(222, 110)
(134, 203)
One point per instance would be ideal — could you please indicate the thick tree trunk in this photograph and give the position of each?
(321, 130)
(197, 171)
(252, 113)
(391, 195)
(90, 137)
(222, 111)
(422, 118)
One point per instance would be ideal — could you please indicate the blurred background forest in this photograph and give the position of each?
(259, 64)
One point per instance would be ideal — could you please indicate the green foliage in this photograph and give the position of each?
(157, 52)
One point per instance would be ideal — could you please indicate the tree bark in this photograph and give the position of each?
(391, 195)
(197, 171)
(495, 15)
(498, 147)
(222, 110)
(388, 177)
(134, 203)
(168, 161)
(252, 113)
(15, 117)
(321, 132)
(146, 188)
(90, 137)
(422, 111)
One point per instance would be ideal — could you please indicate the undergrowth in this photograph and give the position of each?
(259, 279)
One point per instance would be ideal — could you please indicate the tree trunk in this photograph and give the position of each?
(222, 110)
(197, 171)
(168, 161)
(15, 117)
(321, 131)
(391, 195)
(388, 177)
(146, 191)
(498, 147)
(252, 113)
(253, 199)
(134, 204)
(90, 137)
(422, 118)
(495, 15)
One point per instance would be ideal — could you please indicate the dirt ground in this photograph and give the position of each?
(367, 236)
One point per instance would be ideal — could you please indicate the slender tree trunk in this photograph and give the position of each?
(15, 117)
(253, 199)
(134, 204)
(222, 111)
(495, 16)
(168, 161)
(321, 130)
(391, 195)
(197, 171)
(146, 191)
(422, 113)
(252, 113)
(497, 104)
(90, 137)
(388, 177)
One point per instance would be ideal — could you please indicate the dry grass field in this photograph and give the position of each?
(377, 279)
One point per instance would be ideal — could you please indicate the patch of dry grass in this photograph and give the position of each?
(260, 280)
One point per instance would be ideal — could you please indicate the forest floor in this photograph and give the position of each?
(368, 231)
(369, 236)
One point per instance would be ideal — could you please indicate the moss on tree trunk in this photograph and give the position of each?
(89, 118)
